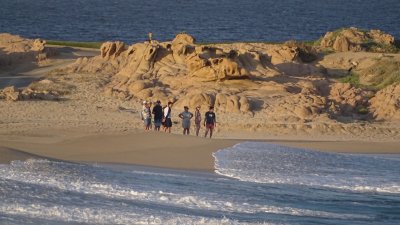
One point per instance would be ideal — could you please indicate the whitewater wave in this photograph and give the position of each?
(41, 191)
(274, 164)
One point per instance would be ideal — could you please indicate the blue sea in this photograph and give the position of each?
(207, 20)
(253, 183)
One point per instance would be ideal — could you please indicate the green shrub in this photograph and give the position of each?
(352, 78)
(95, 45)
(362, 110)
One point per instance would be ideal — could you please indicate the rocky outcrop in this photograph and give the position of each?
(353, 39)
(297, 107)
(16, 50)
(385, 105)
(112, 49)
(235, 78)
(346, 100)
(10, 94)
(14, 94)
(160, 70)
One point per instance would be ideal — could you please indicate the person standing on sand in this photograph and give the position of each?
(158, 115)
(151, 122)
(210, 121)
(197, 120)
(186, 116)
(167, 117)
(146, 117)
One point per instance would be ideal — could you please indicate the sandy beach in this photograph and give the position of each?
(159, 149)
(83, 105)
(303, 105)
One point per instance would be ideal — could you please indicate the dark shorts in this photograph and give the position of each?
(210, 126)
(168, 122)
(157, 122)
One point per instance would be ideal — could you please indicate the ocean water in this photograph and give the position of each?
(254, 183)
(207, 20)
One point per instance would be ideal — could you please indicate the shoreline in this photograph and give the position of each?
(160, 150)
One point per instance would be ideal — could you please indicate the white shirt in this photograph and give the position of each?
(166, 112)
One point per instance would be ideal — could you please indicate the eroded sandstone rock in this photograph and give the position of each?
(385, 105)
(353, 39)
(112, 49)
(347, 98)
(17, 50)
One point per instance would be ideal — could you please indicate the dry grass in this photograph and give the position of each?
(383, 73)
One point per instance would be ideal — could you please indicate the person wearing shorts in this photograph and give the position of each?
(210, 121)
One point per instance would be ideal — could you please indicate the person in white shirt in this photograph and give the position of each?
(167, 122)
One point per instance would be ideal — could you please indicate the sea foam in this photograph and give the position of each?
(271, 163)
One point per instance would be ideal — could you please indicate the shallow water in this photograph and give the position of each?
(272, 185)
(207, 20)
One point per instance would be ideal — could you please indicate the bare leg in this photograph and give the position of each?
(211, 132)
(197, 130)
(205, 135)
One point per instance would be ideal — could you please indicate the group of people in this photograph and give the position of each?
(161, 116)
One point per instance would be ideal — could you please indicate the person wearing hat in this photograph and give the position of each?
(197, 119)
(158, 115)
(186, 116)
(167, 122)
(210, 121)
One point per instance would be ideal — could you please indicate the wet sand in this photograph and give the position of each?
(160, 149)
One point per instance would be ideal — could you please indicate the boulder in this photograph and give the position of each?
(112, 49)
(347, 98)
(385, 105)
(283, 54)
(341, 44)
(11, 93)
(232, 103)
(181, 46)
(196, 99)
(353, 39)
(381, 37)
(38, 45)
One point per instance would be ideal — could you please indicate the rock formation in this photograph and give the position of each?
(346, 99)
(281, 83)
(15, 50)
(386, 103)
(176, 69)
(353, 39)
(14, 94)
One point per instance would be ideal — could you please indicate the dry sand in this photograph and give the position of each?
(89, 126)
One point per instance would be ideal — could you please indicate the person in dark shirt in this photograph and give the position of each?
(210, 121)
(158, 115)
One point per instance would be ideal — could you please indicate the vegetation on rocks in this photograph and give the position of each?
(95, 45)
